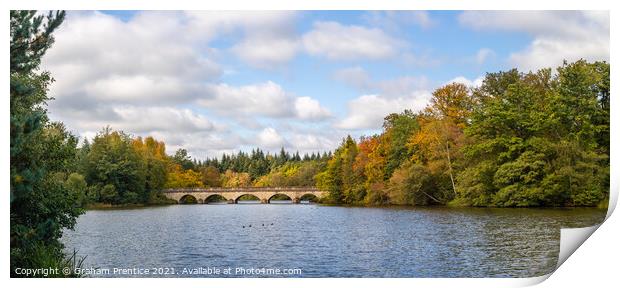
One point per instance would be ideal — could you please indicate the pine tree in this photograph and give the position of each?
(41, 206)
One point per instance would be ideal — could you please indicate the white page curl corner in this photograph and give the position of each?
(572, 238)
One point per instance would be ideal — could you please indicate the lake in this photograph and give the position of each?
(307, 240)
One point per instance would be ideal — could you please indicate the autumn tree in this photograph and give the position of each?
(180, 178)
(153, 154)
(437, 145)
(210, 176)
(232, 179)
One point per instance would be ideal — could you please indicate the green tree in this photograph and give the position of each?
(77, 186)
(41, 206)
(338, 179)
(113, 160)
(542, 141)
(182, 158)
(398, 128)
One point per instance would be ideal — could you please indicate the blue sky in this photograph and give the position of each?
(215, 82)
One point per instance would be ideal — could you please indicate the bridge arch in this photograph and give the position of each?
(279, 195)
(203, 195)
(215, 198)
(247, 197)
(188, 199)
(311, 197)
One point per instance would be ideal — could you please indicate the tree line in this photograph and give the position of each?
(519, 140)
(116, 168)
(255, 168)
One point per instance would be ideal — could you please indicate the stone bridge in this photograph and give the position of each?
(232, 195)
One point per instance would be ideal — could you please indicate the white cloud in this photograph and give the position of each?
(269, 138)
(264, 99)
(248, 22)
(139, 120)
(101, 57)
(557, 35)
(483, 55)
(98, 57)
(395, 20)
(354, 76)
(339, 42)
(202, 144)
(308, 108)
(269, 40)
(266, 53)
(143, 74)
(401, 86)
(469, 83)
(144, 120)
(359, 78)
(308, 143)
(368, 111)
(387, 96)
(141, 88)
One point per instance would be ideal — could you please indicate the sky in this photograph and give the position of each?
(216, 82)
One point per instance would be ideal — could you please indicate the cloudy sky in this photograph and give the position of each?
(215, 82)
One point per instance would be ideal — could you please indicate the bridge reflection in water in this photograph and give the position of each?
(232, 195)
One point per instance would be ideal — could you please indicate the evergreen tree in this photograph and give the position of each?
(41, 152)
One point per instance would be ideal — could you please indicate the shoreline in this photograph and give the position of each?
(102, 206)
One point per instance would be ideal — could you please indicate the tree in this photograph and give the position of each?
(179, 178)
(414, 184)
(114, 160)
(235, 179)
(398, 128)
(210, 176)
(77, 187)
(437, 144)
(338, 179)
(371, 162)
(41, 204)
(533, 141)
(153, 154)
(182, 158)
(291, 174)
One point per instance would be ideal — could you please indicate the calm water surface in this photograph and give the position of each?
(326, 241)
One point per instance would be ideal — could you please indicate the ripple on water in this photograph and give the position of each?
(330, 241)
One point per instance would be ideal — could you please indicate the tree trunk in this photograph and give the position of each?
(450, 167)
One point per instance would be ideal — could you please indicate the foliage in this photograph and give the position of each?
(177, 177)
(539, 139)
(153, 154)
(42, 153)
(116, 169)
(521, 139)
(210, 176)
(232, 179)
(292, 174)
